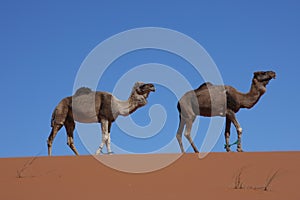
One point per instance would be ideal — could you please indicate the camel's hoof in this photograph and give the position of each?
(239, 150)
(227, 148)
(101, 152)
(98, 152)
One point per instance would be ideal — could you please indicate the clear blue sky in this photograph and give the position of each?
(43, 44)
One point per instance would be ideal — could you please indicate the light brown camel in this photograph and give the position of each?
(216, 100)
(87, 106)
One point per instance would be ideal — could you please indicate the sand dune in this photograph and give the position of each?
(214, 177)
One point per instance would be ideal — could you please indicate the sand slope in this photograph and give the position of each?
(213, 177)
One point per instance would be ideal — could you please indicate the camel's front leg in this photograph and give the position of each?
(231, 116)
(109, 151)
(105, 137)
(227, 134)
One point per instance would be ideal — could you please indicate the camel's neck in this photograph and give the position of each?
(248, 100)
(125, 108)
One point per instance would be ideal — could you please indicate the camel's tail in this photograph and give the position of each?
(53, 118)
(178, 108)
(181, 123)
(180, 129)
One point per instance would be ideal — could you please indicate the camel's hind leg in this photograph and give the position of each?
(70, 126)
(55, 129)
(179, 133)
(187, 133)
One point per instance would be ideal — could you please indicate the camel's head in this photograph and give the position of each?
(262, 78)
(141, 91)
(145, 88)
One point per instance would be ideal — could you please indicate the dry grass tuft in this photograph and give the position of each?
(239, 183)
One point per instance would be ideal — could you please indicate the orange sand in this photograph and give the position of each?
(189, 177)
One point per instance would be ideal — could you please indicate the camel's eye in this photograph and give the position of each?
(142, 87)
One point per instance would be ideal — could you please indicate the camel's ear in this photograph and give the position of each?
(256, 74)
(137, 86)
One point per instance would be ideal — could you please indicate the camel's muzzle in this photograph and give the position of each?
(152, 89)
(274, 75)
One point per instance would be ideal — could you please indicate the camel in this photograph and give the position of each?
(217, 100)
(87, 106)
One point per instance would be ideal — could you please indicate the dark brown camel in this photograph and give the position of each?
(87, 106)
(216, 100)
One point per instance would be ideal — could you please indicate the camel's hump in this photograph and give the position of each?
(204, 85)
(82, 91)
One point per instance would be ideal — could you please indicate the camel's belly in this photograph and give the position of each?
(210, 113)
(84, 118)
